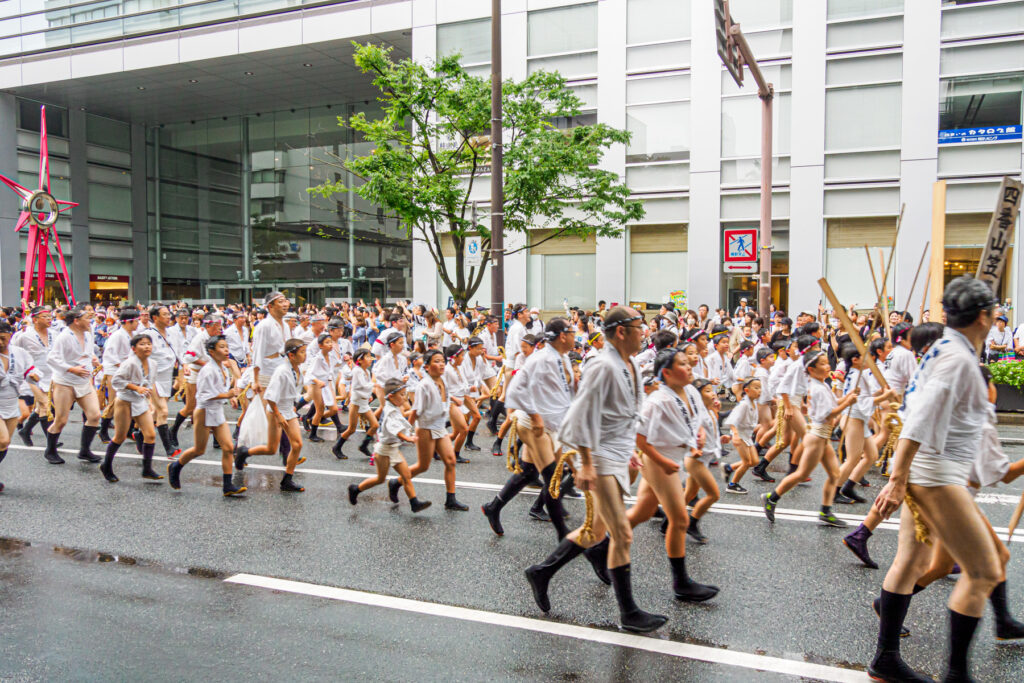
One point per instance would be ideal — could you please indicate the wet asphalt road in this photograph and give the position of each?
(163, 612)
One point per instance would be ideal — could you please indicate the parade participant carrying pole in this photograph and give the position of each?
(851, 330)
(40, 211)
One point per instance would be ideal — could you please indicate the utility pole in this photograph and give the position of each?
(497, 179)
(735, 52)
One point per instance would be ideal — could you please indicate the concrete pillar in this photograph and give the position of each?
(79, 214)
(10, 205)
(807, 159)
(139, 290)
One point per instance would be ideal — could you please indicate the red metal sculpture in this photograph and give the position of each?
(40, 210)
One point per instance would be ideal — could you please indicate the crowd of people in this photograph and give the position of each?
(597, 402)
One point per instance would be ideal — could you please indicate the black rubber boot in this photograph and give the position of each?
(170, 445)
(393, 486)
(290, 486)
(1007, 628)
(685, 588)
(469, 445)
(513, 485)
(147, 462)
(174, 474)
(107, 467)
(632, 617)
(418, 505)
(51, 449)
(26, 430)
(105, 429)
(496, 447)
(313, 438)
(241, 453)
(178, 419)
(353, 493)
(452, 503)
(887, 664)
(336, 449)
(88, 433)
(228, 488)
(540, 575)
(961, 633)
(364, 447)
(553, 505)
(849, 490)
(597, 556)
(497, 409)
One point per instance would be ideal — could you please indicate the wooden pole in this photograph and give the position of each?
(851, 330)
(892, 252)
(874, 278)
(913, 285)
(884, 299)
(924, 296)
(936, 269)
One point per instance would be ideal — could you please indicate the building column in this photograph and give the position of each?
(139, 290)
(610, 257)
(80, 214)
(704, 243)
(10, 205)
(920, 131)
(203, 224)
(807, 158)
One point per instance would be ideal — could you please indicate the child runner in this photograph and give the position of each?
(861, 452)
(394, 429)
(742, 422)
(823, 409)
(213, 390)
(15, 367)
(360, 395)
(133, 383)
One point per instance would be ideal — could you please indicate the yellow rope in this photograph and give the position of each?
(496, 390)
(512, 463)
(921, 532)
(555, 489)
(780, 424)
(895, 424)
(49, 401)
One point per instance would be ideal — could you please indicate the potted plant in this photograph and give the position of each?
(1008, 376)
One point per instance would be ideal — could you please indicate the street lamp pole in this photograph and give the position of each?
(735, 53)
(497, 179)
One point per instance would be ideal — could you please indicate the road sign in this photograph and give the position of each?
(728, 50)
(740, 245)
(473, 256)
(980, 134)
(740, 268)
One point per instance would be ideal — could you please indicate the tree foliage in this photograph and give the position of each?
(432, 147)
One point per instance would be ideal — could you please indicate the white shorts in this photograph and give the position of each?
(864, 421)
(288, 412)
(438, 433)
(138, 406)
(9, 409)
(81, 390)
(932, 470)
(360, 407)
(524, 423)
(822, 431)
(327, 393)
(193, 376)
(390, 450)
(214, 415)
(164, 383)
(609, 467)
(487, 371)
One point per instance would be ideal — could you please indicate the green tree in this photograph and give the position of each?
(432, 146)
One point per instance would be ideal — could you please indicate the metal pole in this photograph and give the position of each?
(497, 178)
(157, 246)
(246, 194)
(764, 290)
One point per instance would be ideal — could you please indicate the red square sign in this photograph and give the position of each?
(740, 244)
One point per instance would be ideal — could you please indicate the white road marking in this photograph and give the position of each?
(784, 514)
(647, 643)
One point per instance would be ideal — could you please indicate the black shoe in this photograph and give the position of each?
(241, 453)
(26, 437)
(876, 605)
(539, 575)
(694, 592)
(735, 488)
(103, 435)
(539, 514)
(493, 515)
(336, 449)
(693, 531)
(150, 473)
(437, 457)
(174, 474)
(108, 473)
(53, 458)
(89, 456)
(232, 490)
(315, 439)
(364, 447)
(890, 667)
(418, 505)
(393, 486)
(289, 486)
(849, 490)
(632, 617)
(864, 482)
(353, 493)
(460, 460)
(841, 499)
(762, 474)
(496, 449)
(453, 504)
(1010, 629)
(726, 473)
(471, 446)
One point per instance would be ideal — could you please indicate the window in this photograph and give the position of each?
(847, 9)
(472, 39)
(968, 20)
(862, 117)
(979, 102)
(653, 21)
(741, 126)
(660, 132)
(657, 261)
(658, 117)
(29, 118)
(563, 39)
(758, 14)
(108, 133)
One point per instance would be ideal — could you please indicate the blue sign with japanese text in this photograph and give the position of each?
(980, 134)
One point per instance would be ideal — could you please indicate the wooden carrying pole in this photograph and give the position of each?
(892, 251)
(851, 330)
(937, 268)
(913, 285)
(874, 278)
(924, 296)
(883, 300)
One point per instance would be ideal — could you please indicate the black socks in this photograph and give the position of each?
(337, 423)
(107, 467)
(165, 437)
(3, 454)
(178, 419)
(892, 611)
(147, 462)
(88, 433)
(30, 424)
(961, 633)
